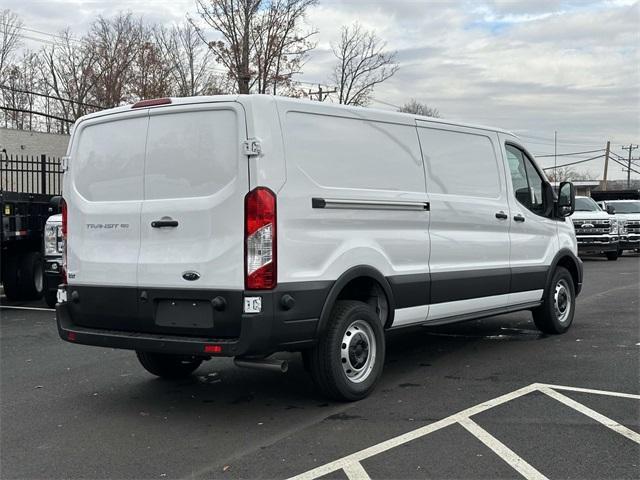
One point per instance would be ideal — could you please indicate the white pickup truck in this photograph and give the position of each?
(596, 230)
(627, 213)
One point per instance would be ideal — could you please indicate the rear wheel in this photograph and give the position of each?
(50, 298)
(613, 255)
(555, 315)
(348, 360)
(24, 277)
(10, 277)
(168, 366)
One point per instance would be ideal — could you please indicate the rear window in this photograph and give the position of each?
(108, 162)
(191, 154)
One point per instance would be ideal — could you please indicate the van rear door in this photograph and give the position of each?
(195, 180)
(104, 191)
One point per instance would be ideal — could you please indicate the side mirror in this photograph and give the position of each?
(55, 204)
(566, 203)
(611, 210)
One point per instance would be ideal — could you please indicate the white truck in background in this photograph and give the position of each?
(597, 230)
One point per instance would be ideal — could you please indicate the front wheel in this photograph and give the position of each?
(347, 362)
(169, 366)
(555, 315)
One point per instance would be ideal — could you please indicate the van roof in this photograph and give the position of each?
(373, 113)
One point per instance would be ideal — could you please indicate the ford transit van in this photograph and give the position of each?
(241, 226)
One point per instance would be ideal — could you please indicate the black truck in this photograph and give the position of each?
(29, 193)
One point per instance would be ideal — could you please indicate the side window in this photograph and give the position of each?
(527, 182)
(535, 187)
(460, 163)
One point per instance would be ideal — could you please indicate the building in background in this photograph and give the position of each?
(29, 143)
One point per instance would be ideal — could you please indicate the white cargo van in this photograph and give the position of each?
(246, 225)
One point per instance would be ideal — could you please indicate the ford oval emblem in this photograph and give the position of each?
(191, 276)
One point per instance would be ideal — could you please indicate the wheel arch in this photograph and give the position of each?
(348, 286)
(567, 259)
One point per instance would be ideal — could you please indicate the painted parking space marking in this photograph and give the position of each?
(355, 471)
(505, 453)
(351, 464)
(11, 307)
(598, 417)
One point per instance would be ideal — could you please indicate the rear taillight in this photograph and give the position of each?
(260, 239)
(64, 241)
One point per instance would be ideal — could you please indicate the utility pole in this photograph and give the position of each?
(631, 148)
(606, 166)
(322, 92)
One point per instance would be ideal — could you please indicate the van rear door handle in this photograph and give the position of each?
(164, 223)
(519, 218)
(501, 215)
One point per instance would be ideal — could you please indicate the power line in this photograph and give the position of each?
(631, 148)
(53, 97)
(33, 112)
(574, 163)
(570, 154)
(386, 103)
(624, 166)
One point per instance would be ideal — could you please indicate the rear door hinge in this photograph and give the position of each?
(252, 147)
(64, 163)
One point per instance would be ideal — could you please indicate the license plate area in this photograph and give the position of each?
(183, 313)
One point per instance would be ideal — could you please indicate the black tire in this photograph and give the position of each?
(50, 298)
(24, 277)
(547, 317)
(613, 256)
(357, 322)
(168, 366)
(10, 277)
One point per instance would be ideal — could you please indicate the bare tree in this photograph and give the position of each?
(280, 47)
(418, 108)
(150, 76)
(566, 174)
(363, 63)
(262, 44)
(69, 71)
(10, 40)
(189, 58)
(116, 43)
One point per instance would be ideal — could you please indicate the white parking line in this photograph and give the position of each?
(500, 449)
(345, 462)
(589, 390)
(352, 467)
(598, 417)
(355, 471)
(11, 307)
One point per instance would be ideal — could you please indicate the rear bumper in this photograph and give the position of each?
(276, 328)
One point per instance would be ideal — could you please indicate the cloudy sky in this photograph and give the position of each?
(530, 66)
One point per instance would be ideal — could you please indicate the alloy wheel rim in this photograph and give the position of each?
(358, 351)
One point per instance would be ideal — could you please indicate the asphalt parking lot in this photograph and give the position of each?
(485, 399)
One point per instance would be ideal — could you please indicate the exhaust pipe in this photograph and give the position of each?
(262, 364)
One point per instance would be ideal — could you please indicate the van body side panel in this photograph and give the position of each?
(469, 260)
(196, 175)
(354, 196)
(103, 188)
